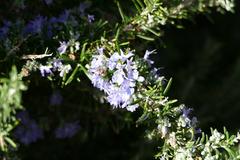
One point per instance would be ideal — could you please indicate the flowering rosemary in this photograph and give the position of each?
(117, 76)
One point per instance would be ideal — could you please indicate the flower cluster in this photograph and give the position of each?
(56, 64)
(117, 76)
(184, 154)
(53, 66)
(28, 132)
(216, 142)
(67, 130)
(36, 25)
(71, 45)
(43, 25)
(185, 120)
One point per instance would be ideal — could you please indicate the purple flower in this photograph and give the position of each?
(49, 31)
(48, 2)
(53, 20)
(63, 47)
(155, 73)
(4, 30)
(36, 25)
(45, 70)
(91, 18)
(56, 99)
(23, 116)
(63, 17)
(186, 111)
(194, 121)
(186, 119)
(28, 132)
(68, 130)
(198, 131)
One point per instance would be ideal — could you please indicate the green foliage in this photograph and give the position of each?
(153, 15)
(10, 101)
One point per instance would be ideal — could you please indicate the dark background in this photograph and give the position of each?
(204, 61)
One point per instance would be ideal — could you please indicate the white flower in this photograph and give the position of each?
(183, 154)
(77, 46)
(150, 19)
(216, 137)
(132, 108)
(172, 139)
(65, 69)
(163, 127)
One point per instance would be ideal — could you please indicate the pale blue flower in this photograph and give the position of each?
(118, 77)
(132, 72)
(120, 96)
(146, 56)
(113, 60)
(100, 83)
(57, 63)
(45, 70)
(124, 56)
(63, 47)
